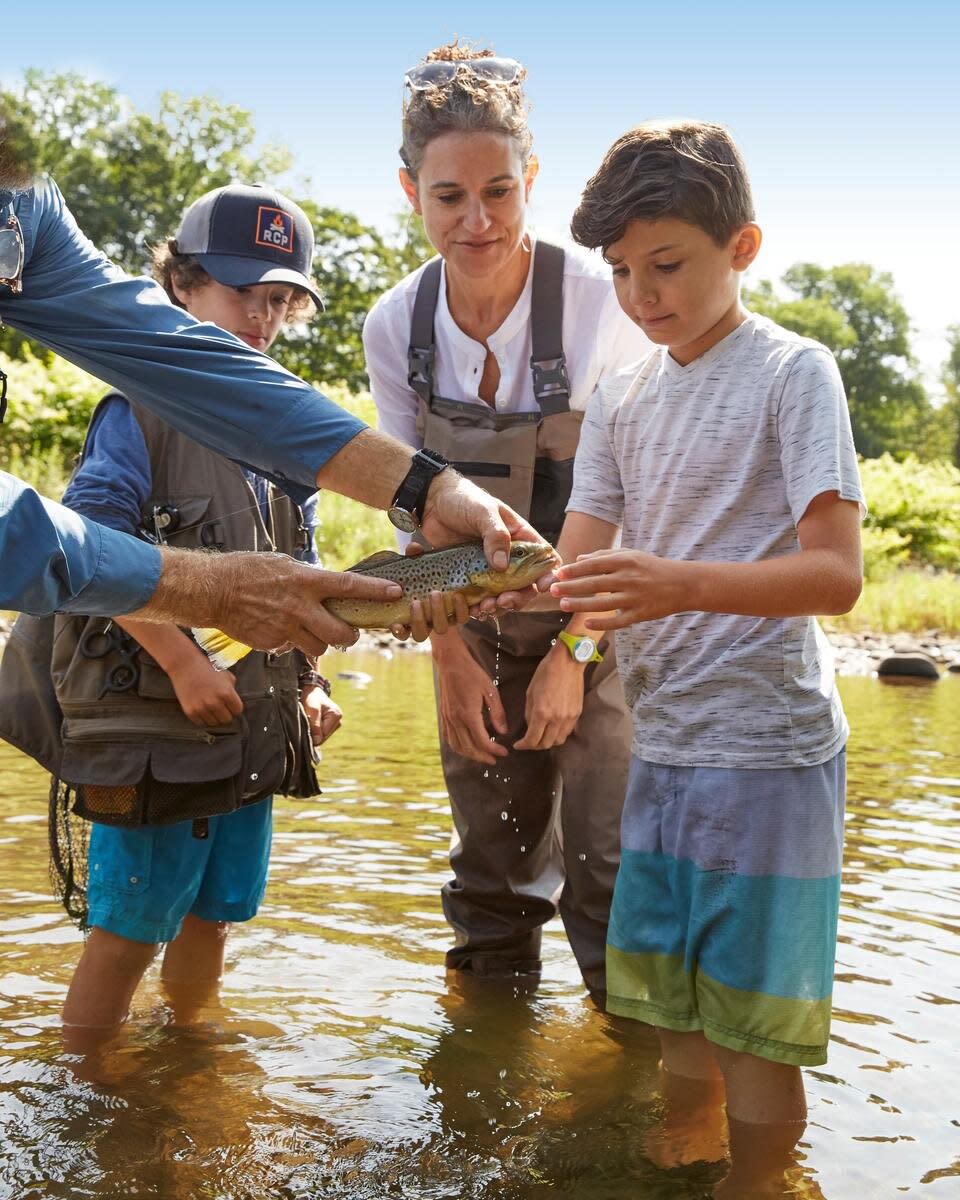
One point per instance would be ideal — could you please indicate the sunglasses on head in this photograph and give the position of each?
(440, 72)
(11, 255)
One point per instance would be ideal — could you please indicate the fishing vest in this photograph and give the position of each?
(524, 459)
(124, 745)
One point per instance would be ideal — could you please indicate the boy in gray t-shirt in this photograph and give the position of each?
(728, 463)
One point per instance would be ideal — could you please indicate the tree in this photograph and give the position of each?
(854, 310)
(128, 177)
(951, 383)
(354, 264)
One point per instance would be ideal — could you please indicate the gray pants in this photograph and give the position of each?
(558, 847)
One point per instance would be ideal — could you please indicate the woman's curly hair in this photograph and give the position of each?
(464, 104)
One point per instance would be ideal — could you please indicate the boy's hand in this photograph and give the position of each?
(206, 695)
(323, 713)
(626, 586)
(554, 701)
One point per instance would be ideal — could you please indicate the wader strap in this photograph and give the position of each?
(421, 351)
(551, 386)
(548, 362)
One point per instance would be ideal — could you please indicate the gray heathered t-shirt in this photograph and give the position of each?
(718, 461)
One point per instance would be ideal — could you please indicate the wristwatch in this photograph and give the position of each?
(582, 649)
(406, 511)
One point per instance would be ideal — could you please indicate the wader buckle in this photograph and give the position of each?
(420, 369)
(550, 377)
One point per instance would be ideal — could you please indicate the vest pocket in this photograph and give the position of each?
(129, 781)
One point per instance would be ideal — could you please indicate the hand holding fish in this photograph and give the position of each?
(459, 575)
(457, 510)
(262, 600)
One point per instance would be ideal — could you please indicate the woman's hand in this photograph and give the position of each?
(207, 696)
(554, 701)
(466, 693)
(323, 713)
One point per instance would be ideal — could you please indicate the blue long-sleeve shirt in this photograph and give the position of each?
(114, 479)
(204, 381)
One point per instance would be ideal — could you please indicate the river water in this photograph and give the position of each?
(340, 1063)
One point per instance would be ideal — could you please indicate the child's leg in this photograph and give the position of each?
(693, 1127)
(102, 987)
(193, 965)
(766, 1114)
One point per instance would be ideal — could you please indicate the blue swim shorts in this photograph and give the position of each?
(724, 915)
(143, 882)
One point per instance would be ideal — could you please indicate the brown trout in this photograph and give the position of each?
(457, 570)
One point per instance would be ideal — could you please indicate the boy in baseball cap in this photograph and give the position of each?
(191, 858)
(244, 234)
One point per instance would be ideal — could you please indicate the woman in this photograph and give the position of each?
(488, 355)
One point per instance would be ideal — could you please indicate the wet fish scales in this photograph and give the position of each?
(455, 570)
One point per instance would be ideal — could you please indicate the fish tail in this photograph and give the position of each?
(223, 651)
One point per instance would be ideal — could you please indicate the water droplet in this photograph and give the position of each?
(486, 774)
(503, 1073)
(523, 849)
(503, 816)
(582, 857)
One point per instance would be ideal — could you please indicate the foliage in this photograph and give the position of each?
(354, 265)
(348, 531)
(905, 601)
(49, 405)
(128, 176)
(920, 503)
(854, 310)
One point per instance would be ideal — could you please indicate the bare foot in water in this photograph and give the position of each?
(693, 1127)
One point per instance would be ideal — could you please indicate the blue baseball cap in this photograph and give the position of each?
(244, 234)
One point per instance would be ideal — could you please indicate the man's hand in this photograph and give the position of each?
(458, 511)
(554, 701)
(263, 600)
(466, 692)
(323, 713)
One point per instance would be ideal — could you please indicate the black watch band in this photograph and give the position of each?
(406, 511)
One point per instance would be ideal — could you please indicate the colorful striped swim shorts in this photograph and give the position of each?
(724, 915)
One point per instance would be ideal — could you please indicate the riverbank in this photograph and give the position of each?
(855, 653)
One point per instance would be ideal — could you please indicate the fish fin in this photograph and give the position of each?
(379, 559)
(223, 651)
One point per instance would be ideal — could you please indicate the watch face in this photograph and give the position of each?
(403, 519)
(584, 649)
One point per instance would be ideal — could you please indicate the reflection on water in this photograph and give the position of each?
(339, 1063)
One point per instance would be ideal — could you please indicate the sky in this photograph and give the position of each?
(847, 113)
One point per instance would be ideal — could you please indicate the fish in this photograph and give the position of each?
(456, 570)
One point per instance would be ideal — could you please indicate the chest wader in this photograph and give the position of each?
(558, 848)
(107, 723)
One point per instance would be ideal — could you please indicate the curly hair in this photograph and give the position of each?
(170, 268)
(691, 170)
(464, 104)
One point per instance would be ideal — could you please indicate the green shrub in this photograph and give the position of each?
(49, 406)
(920, 503)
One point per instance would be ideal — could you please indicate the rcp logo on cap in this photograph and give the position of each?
(275, 229)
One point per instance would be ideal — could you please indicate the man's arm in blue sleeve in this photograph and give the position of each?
(204, 381)
(53, 560)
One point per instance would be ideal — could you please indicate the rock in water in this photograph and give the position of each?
(913, 664)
